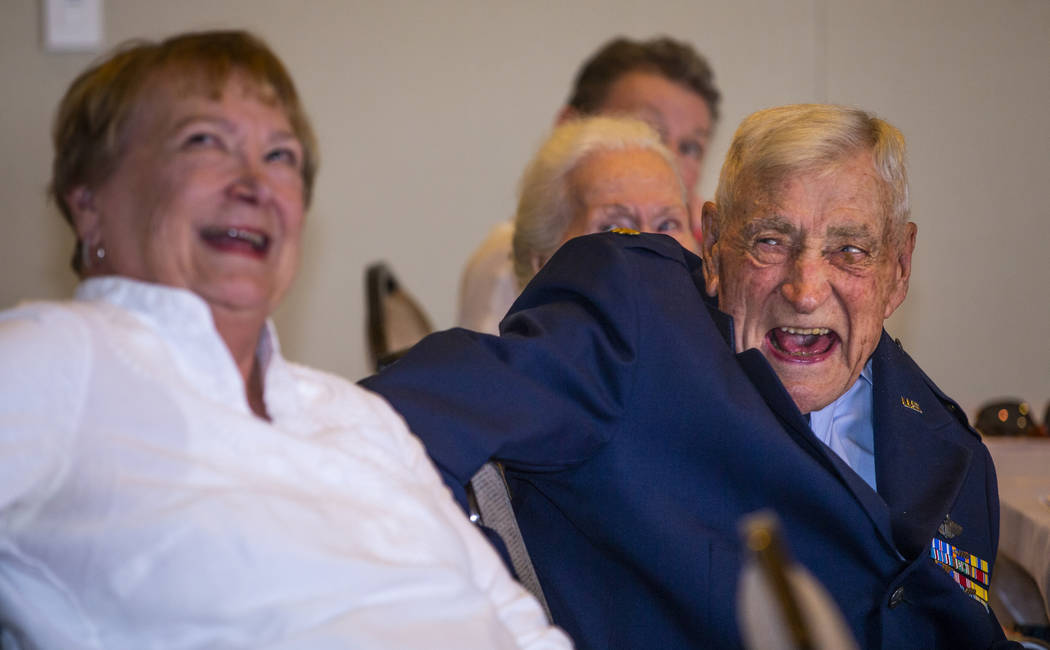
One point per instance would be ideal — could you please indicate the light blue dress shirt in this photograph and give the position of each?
(846, 426)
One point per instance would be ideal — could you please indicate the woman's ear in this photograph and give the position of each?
(86, 218)
(87, 222)
(537, 263)
(709, 248)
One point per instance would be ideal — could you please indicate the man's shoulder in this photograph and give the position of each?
(616, 271)
(902, 377)
(627, 277)
(632, 240)
(620, 256)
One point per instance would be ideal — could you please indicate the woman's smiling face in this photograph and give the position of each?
(207, 195)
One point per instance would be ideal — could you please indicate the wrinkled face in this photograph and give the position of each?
(207, 196)
(679, 115)
(634, 188)
(809, 272)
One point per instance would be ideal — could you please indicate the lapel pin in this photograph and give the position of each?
(949, 528)
(911, 404)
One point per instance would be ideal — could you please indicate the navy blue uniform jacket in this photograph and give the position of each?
(634, 439)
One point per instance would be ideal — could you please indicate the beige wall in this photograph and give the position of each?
(428, 110)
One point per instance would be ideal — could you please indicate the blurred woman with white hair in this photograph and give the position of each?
(596, 174)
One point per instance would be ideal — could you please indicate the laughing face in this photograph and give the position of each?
(809, 271)
(207, 196)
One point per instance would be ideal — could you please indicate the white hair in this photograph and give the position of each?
(545, 206)
(776, 143)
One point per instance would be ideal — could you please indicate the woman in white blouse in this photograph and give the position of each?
(170, 481)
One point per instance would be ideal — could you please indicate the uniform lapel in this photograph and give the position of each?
(919, 465)
(779, 401)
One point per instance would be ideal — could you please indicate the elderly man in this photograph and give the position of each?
(662, 81)
(641, 408)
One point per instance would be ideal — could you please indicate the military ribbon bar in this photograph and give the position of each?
(969, 571)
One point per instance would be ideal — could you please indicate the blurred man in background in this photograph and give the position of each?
(662, 81)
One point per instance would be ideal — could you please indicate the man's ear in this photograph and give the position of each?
(902, 268)
(565, 114)
(86, 217)
(696, 227)
(709, 248)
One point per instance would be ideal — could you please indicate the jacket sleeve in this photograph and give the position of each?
(548, 392)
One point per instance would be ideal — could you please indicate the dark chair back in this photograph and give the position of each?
(395, 321)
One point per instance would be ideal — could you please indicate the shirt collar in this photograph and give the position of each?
(861, 389)
(865, 372)
(847, 427)
(184, 320)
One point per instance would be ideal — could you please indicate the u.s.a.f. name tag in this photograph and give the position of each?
(969, 571)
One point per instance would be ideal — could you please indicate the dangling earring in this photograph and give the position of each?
(87, 260)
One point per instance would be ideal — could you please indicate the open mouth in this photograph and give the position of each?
(237, 240)
(801, 344)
